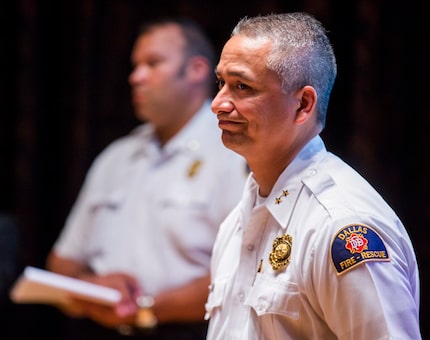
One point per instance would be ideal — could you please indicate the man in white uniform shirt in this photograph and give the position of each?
(312, 251)
(149, 210)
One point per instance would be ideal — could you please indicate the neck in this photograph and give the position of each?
(266, 176)
(268, 166)
(183, 115)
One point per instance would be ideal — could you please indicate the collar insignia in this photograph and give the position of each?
(281, 252)
(194, 168)
(278, 200)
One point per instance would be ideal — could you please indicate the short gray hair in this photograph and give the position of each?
(301, 52)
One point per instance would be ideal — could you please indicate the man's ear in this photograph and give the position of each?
(198, 69)
(307, 97)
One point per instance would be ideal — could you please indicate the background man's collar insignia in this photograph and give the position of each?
(194, 168)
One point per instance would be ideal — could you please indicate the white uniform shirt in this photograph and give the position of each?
(321, 294)
(155, 212)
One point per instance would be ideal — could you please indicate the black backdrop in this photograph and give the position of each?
(64, 96)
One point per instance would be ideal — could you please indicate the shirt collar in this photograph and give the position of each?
(287, 188)
(186, 140)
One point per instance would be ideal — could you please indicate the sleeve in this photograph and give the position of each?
(99, 179)
(362, 293)
(71, 241)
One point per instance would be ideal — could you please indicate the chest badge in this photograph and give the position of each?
(281, 252)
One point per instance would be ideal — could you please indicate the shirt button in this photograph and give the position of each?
(241, 296)
(312, 172)
(193, 145)
(262, 306)
(250, 247)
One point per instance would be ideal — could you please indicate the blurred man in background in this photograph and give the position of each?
(147, 215)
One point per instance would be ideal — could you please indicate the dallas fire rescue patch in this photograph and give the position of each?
(355, 244)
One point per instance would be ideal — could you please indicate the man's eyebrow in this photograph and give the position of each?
(233, 73)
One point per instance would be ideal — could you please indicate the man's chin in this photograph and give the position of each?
(232, 141)
(141, 115)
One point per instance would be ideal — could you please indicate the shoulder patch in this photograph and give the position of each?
(354, 244)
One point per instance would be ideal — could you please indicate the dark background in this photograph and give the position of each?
(64, 96)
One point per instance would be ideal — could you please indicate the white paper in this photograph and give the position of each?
(44, 287)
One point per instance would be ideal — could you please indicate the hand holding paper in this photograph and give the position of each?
(40, 286)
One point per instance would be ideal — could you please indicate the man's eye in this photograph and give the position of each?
(220, 83)
(154, 62)
(242, 86)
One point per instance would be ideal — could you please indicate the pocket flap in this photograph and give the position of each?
(269, 295)
(215, 297)
(110, 201)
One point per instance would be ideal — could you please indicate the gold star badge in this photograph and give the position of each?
(281, 252)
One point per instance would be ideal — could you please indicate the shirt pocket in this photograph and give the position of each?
(269, 295)
(104, 211)
(109, 202)
(184, 195)
(215, 297)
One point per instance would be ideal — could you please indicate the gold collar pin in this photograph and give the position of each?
(278, 200)
(194, 168)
